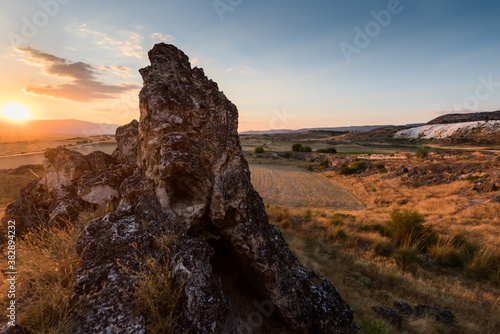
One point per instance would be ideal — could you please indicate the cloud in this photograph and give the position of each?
(128, 42)
(159, 37)
(83, 85)
(194, 61)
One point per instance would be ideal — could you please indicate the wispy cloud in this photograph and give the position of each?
(83, 85)
(194, 61)
(128, 42)
(159, 37)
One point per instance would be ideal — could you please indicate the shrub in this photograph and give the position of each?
(446, 254)
(459, 240)
(340, 233)
(376, 326)
(407, 226)
(358, 165)
(296, 147)
(483, 265)
(305, 149)
(407, 255)
(346, 171)
(382, 248)
(421, 153)
(324, 164)
(327, 150)
(373, 228)
(286, 155)
(259, 149)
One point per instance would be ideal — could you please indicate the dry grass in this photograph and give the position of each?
(372, 267)
(369, 268)
(156, 295)
(47, 260)
(10, 186)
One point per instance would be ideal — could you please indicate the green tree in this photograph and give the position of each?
(305, 149)
(259, 149)
(422, 153)
(296, 147)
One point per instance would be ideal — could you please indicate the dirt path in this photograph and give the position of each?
(291, 186)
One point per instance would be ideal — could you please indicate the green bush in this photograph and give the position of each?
(327, 150)
(286, 155)
(340, 233)
(305, 149)
(358, 165)
(483, 265)
(407, 255)
(324, 164)
(448, 255)
(422, 153)
(346, 171)
(407, 227)
(375, 227)
(296, 147)
(459, 240)
(376, 326)
(382, 248)
(259, 149)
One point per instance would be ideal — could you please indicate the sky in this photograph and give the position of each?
(284, 64)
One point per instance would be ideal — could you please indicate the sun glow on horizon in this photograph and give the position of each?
(15, 112)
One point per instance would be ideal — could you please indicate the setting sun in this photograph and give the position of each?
(15, 111)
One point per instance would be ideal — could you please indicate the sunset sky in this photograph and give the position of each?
(285, 64)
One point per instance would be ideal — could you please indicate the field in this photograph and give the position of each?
(459, 271)
(15, 153)
(296, 187)
(340, 226)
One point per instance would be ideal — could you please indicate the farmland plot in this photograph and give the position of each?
(291, 186)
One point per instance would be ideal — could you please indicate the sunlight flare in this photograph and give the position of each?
(15, 112)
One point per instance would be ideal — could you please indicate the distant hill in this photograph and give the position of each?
(364, 128)
(57, 127)
(469, 117)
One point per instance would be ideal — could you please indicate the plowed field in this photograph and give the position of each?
(290, 186)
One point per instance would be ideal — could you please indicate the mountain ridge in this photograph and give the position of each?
(57, 127)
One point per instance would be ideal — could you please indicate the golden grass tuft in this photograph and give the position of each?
(47, 262)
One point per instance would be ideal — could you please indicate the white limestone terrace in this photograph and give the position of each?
(442, 131)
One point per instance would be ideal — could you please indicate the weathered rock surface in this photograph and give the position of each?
(179, 172)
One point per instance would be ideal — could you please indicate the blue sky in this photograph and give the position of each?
(283, 63)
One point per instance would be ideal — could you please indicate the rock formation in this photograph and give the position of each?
(179, 175)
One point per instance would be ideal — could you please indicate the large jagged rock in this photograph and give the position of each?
(185, 179)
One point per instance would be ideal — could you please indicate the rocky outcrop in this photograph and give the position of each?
(179, 174)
